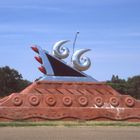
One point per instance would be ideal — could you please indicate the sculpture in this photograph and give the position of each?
(59, 52)
(67, 93)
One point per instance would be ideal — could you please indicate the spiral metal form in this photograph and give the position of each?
(59, 51)
(79, 62)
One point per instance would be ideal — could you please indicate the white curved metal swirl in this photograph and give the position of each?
(59, 51)
(79, 62)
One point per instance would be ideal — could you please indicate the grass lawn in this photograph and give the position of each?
(70, 123)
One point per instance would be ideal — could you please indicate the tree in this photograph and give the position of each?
(11, 81)
(119, 84)
(129, 87)
(133, 86)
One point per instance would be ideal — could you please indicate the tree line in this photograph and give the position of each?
(12, 81)
(131, 86)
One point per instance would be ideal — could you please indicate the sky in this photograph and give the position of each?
(110, 28)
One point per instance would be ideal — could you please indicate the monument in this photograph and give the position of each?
(65, 92)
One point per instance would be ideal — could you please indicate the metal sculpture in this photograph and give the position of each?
(81, 63)
(59, 51)
(54, 68)
(66, 93)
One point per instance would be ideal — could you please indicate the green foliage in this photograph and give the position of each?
(11, 81)
(119, 84)
(133, 85)
(130, 86)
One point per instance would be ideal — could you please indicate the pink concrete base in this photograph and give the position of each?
(69, 101)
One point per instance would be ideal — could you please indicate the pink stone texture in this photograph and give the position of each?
(45, 100)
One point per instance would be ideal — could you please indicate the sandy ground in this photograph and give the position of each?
(69, 133)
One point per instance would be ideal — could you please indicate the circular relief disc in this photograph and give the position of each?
(67, 100)
(114, 101)
(83, 101)
(99, 101)
(50, 100)
(129, 101)
(34, 100)
(17, 100)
